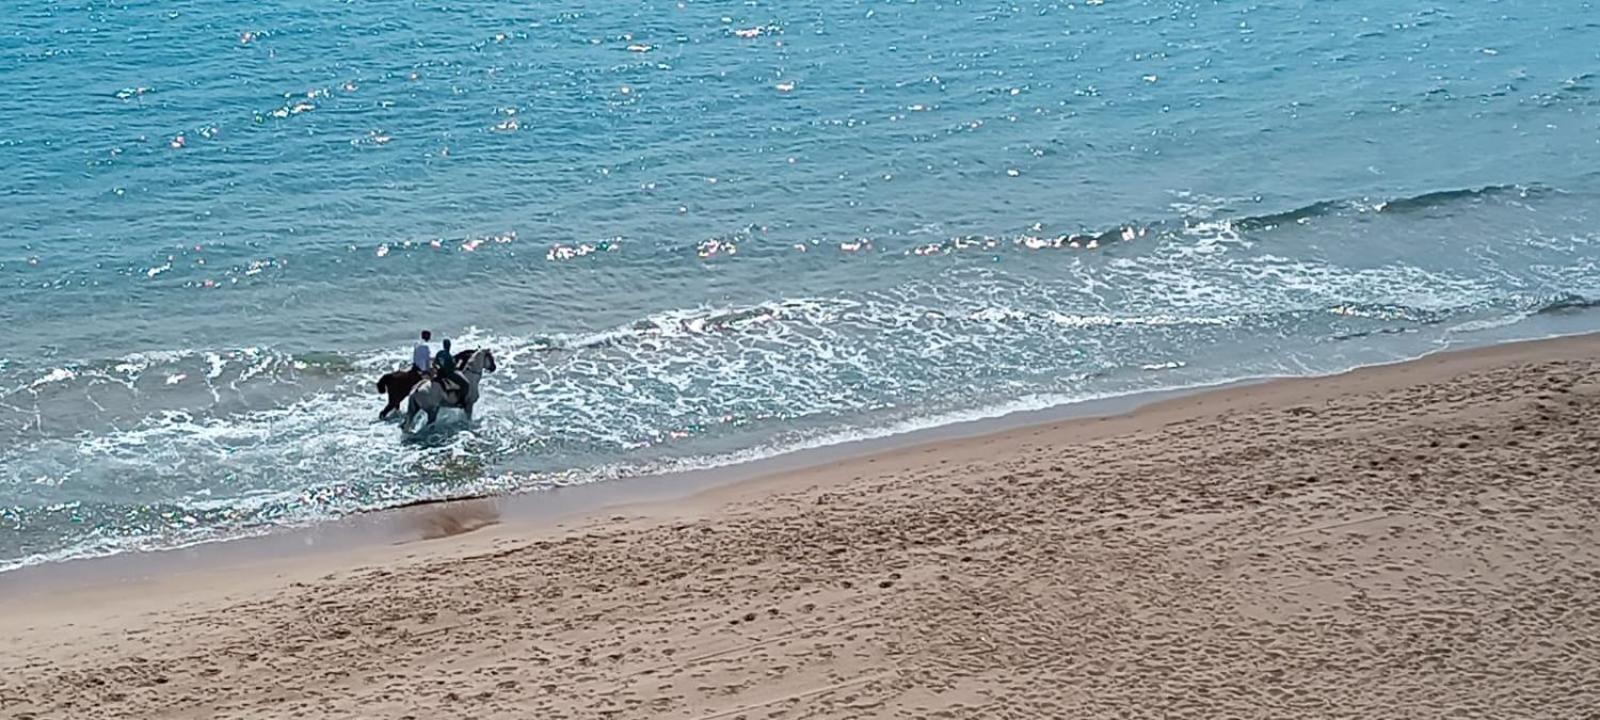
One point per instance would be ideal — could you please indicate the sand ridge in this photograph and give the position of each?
(1414, 541)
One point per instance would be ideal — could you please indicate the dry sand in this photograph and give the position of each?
(1420, 540)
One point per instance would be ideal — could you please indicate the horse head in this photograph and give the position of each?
(482, 360)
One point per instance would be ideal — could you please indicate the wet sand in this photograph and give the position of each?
(1417, 540)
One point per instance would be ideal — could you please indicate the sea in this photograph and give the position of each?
(700, 233)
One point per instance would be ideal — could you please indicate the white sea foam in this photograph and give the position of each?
(710, 385)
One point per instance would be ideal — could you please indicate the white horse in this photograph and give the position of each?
(429, 395)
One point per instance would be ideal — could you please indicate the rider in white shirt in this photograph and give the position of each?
(421, 356)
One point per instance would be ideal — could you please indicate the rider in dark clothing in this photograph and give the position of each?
(444, 368)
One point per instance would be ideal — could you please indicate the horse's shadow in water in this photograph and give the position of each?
(437, 434)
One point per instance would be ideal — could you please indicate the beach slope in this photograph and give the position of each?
(1417, 540)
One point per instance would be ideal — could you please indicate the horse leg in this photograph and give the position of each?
(432, 416)
(467, 408)
(394, 404)
(411, 416)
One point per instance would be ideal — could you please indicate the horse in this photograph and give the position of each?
(428, 397)
(398, 384)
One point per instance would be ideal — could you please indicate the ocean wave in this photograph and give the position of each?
(235, 369)
(1304, 213)
(1360, 206)
(1566, 303)
(186, 267)
(1446, 198)
(1209, 223)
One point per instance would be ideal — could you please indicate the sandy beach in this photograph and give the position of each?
(1416, 540)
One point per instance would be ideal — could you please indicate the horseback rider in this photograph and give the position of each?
(444, 369)
(422, 355)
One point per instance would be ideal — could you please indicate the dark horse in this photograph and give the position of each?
(399, 383)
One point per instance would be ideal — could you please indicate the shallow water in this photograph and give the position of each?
(700, 232)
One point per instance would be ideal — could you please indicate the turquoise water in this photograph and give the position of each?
(696, 233)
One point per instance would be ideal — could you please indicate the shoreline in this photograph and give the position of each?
(548, 509)
(417, 521)
(1406, 535)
